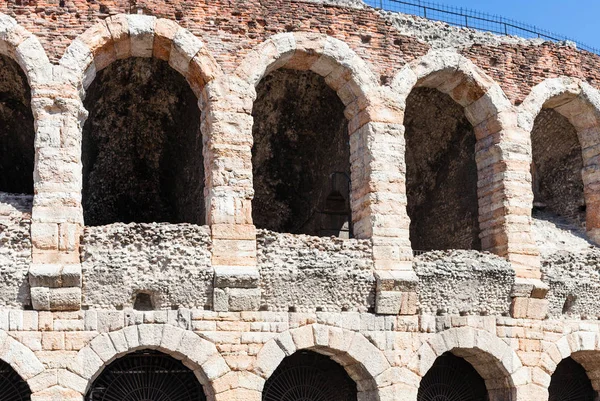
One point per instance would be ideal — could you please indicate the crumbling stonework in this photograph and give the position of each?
(169, 262)
(574, 280)
(557, 164)
(306, 274)
(163, 104)
(15, 249)
(463, 283)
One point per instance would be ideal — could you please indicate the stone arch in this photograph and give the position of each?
(21, 359)
(582, 346)
(132, 35)
(495, 361)
(370, 110)
(579, 103)
(499, 153)
(344, 71)
(25, 48)
(198, 354)
(364, 363)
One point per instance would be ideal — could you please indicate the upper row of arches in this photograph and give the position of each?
(291, 101)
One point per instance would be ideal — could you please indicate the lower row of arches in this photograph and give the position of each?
(306, 375)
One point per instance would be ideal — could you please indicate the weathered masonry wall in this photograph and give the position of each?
(169, 262)
(179, 154)
(15, 249)
(305, 274)
(233, 354)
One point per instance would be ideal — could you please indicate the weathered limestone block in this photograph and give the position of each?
(396, 292)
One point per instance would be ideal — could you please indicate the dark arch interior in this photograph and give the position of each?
(307, 375)
(570, 382)
(441, 173)
(452, 379)
(146, 375)
(12, 386)
(556, 168)
(142, 146)
(300, 157)
(16, 130)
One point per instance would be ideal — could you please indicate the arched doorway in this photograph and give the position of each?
(570, 382)
(12, 386)
(452, 379)
(142, 146)
(441, 173)
(300, 156)
(146, 376)
(309, 376)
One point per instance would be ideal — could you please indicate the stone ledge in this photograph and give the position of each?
(236, 277)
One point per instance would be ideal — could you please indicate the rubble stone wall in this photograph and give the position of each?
(304, 273)
(170, 262)
(15, 249)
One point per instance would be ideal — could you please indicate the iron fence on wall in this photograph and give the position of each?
(466, 18)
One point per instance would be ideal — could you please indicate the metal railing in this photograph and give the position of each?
(466, 18)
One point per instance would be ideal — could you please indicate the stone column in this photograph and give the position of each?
(57, 216)
(377, 149)
(226, 105)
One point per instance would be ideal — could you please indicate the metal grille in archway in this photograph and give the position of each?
(12, 386)
(308, 376)
(452, 379)
(146, 376)
(570, 382)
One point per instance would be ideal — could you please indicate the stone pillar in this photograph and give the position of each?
(505, 198)
(377, 150)
(226, 105)
(57, 216)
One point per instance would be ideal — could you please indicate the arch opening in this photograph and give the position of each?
(146, 375)
(301, 156)
(570, 382)
(307, 375)
(557, 163)
(17, 131)
(452, 378)
(441, 173)
(142, 146)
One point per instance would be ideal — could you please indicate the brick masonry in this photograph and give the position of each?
(389, 329)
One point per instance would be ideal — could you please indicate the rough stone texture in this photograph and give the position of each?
(574, 280)
(463, 282)
(441, 174)
(305, 273)
(557, 164)
(16, 129)
(233, 352)
(170, 262)
(15, 249)
(300, 139)
(142, 160)
(554, 233)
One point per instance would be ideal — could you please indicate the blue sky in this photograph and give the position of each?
(577, 19)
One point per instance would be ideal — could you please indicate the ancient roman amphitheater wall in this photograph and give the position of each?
(231, 190)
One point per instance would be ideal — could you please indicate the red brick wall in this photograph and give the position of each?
(230, 28)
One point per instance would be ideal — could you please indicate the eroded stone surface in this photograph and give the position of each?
(463, 282)
(305, 273)
(170, 262)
